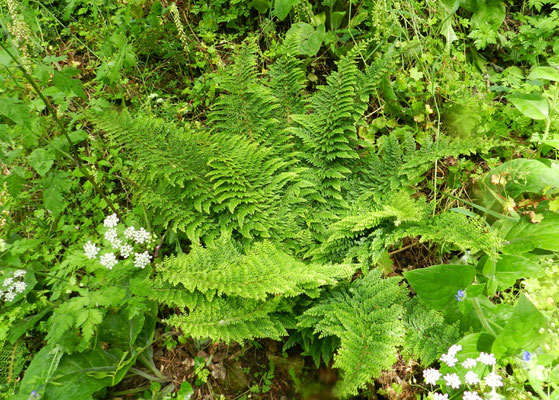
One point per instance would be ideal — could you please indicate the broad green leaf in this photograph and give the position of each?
(524, 175)
(41, 160)
(260, 5)
(525, 236)
(78, 375)
(303, 39)
(489, 12)
(521, 331)
(533, 106)
(336, 19)
(437, 285)
(504, 273)
(547, 73)
(283, 7)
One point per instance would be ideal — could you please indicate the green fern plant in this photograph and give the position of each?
(427, 334)
(366, 317)
(282, 203)
(231, 295)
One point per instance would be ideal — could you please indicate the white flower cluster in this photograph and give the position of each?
(432, 376)
(12, 286)
(109, 259)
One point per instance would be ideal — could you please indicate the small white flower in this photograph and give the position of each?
(115, 244)
(8, 281)
(111, 235)
(141, 236)
(452, 380)
(125, 250)
(129, 232)
(141, 259)
(471, 396)
(471, 378)
(493, 380)
(19, 287)
(455, 348)
(487, 359)
(108, 260)
(439, 396)
(449, 359)
(90, 250)
(111, 221)
(431, 376)
(9, 296)
(19, 273)
(469, 363)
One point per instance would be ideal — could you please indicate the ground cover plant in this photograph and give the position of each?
(279, 199)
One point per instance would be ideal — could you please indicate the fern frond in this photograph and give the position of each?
(366, 319)
(400, 164)
(221, 269)
(427, 334)
(231, 319)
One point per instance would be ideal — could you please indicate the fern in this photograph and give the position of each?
(366, 318)
(328, 133)
(264, 270)
(232, 319)
(237, 294)
(427, 334)
(400, 164)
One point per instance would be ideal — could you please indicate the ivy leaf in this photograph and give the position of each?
(521, 331)
(533, 106)
(41, 160)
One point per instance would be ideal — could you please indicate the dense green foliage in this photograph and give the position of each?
(367, 182)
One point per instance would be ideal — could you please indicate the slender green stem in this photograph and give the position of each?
(481, 317)
(52, 111)
(147, 376)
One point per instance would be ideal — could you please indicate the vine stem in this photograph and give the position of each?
(481, 317)
(52, 111)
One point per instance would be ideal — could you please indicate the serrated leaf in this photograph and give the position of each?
(533, 106)
(41, 160)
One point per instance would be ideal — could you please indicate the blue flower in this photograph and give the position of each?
(460, 295)
(526, 356)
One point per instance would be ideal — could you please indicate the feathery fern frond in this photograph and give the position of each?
(366, 319)
(427, 334)
(400, 164)
(287, 82)
(247, 107)
(221, 269)
(232, 319)
(465, 233)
